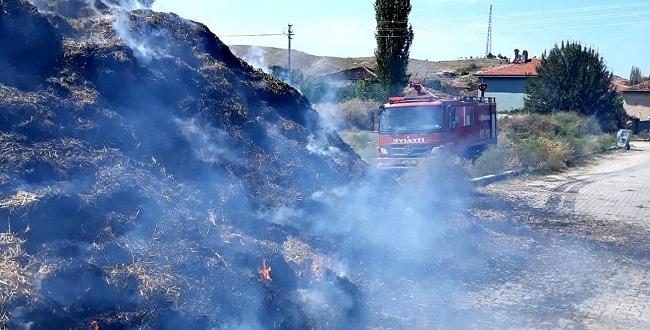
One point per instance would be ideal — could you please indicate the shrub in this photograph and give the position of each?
(564, 124)
(463, 71)
(354, 113)
(573, 77)
(542, 142)
(350, 114)
(605, 142)
(363, 90)
(542, 153)
(494, 160)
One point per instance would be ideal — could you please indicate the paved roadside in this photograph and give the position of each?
(614, 187)
(593, 270)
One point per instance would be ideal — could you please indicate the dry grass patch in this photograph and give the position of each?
(18, 200)
(16, 279)
(152, 279)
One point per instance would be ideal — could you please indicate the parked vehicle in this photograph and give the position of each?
(412, 128)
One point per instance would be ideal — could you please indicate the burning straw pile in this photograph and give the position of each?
(150, 178)
(140, 165)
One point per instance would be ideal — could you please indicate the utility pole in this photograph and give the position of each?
(290, 35)
(488, 45)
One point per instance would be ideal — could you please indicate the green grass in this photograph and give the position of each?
(362, 142)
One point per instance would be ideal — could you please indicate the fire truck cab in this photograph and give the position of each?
(412, 128)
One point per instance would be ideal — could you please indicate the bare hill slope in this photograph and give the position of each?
(312, 65)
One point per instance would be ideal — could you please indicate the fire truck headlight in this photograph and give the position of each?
(383, 151)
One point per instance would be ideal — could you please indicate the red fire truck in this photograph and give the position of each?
(413, 127)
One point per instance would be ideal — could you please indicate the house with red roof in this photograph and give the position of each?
(620, 84)
(636, 101)
(347, 76)
(508, 83)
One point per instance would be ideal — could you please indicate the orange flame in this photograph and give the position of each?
(265, 271)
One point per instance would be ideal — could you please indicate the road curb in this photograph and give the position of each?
(485, 180)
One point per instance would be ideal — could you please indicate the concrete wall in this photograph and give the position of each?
(509, 92)
(637, 104)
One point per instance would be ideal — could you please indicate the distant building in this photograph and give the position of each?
(347, 76)
(620, 84)
(508, 82)
(637, 105)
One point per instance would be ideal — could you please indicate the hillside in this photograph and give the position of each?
(312, 65)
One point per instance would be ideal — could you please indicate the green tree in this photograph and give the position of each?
(575, 78)
(281, 73)
(636, 77)
(394, 38)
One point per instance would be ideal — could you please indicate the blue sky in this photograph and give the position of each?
(444, 29)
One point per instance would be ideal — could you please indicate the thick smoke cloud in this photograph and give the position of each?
(88, 8)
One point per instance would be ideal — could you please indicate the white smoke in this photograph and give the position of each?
(256, 57)
(330, 114)
(318, 145)
(145, 49)
(88, 8)
(283, 215)
(130, 4)
(207, 143)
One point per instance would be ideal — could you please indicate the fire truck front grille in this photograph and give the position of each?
(410, 151)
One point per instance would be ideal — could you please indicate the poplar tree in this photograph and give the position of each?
(394, 38)
(636, 77)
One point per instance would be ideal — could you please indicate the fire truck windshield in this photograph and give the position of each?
(411, 119)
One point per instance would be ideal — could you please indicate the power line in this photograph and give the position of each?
(581, 26)
(577, 9)
(575, 27)
(576, 18)
(480, 25)
(533, 21)
(520, 23)
(253, 35)
(529, 13)
(569, 27)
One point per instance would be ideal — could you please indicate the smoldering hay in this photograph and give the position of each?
(88, 8)
(150, 178)
(137, 155)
